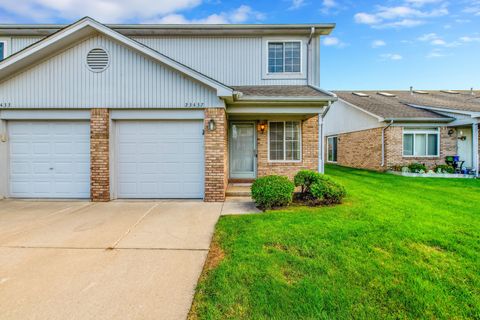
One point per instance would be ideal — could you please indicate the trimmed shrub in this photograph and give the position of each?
(328, 191)
(417, 167)
(272, 191)
(305, 178)
(444, 168)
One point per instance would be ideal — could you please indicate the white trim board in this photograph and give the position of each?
(45, 114)
(157, 114)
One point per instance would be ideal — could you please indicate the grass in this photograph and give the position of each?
(397, 247)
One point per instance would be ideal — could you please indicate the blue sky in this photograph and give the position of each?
(428, 44)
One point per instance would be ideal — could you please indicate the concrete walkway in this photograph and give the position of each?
(117, 260)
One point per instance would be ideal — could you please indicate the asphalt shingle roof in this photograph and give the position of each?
(398, 106)
(280, 91)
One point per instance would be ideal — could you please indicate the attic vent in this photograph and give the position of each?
(386, 94)
(420, 91)
(97, 60)
(450, 91)
(360, 94)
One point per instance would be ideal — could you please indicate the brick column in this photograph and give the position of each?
(216, 155)
(99, 155)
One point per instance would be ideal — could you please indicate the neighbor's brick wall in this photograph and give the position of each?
(216, 158)
(99, 155)
(360, 149)
(289, 169)
(394, 148)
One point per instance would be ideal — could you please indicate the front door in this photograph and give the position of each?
(242, 150)
(464, 146)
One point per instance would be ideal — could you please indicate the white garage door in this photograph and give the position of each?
(49, 159)
(160, 159)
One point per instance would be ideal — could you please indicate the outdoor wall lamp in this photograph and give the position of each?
(461, 136)
(212, 125)
(262, 127)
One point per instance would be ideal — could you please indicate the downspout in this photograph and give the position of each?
(383, 142)
(312, 32)
(321, 138)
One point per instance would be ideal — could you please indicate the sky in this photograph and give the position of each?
(391, 44)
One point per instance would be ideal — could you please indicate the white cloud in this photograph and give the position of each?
(421, 3)
(106, 11)
(328, 6)
(435, 40)
(468, 39)
(428, 37)
(438, 42)
(391, 56)
(239, 15)
(435, 53)
(297, 4)
(473, 8)
(333, 42)
(403, 16)
(378, 43)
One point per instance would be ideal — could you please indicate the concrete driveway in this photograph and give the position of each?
(116, 260)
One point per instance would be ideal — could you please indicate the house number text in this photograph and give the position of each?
(5, 104)
(194, 104)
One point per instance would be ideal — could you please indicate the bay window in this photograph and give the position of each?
(421, 142)
(284, 141)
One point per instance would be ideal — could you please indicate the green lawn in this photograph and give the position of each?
(396, 248)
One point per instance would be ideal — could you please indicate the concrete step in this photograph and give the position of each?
(238, 190)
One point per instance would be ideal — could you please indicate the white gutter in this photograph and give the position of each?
(383, 142)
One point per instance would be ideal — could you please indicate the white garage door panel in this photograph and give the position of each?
(160, 159)
(49, 159)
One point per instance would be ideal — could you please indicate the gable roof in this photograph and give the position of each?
(468, 101)
(84, 28)
(389, 108)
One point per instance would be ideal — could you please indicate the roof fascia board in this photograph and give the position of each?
(379, 118)
(152, 29)
(441, 120)
(286, 99)
(222, 90)
(469, 113)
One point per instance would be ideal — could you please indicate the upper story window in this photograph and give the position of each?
(284, 56)
(421, 142)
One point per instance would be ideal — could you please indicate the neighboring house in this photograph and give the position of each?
(156, 111)
(380, 130)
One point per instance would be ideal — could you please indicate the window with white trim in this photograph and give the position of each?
(421, 142)
(284, 141)
(332, 149)
(284, 57)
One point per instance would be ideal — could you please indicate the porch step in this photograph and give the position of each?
(238, 189)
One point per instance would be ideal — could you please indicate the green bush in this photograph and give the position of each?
(417, 167)
(272, 191)
(444, 168)
(305, 178)
(328, 191)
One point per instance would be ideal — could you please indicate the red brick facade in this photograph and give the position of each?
(99, 155)
(289, 169)
(360, 149)
(394, 148)
(216, 155)
(363, 149)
